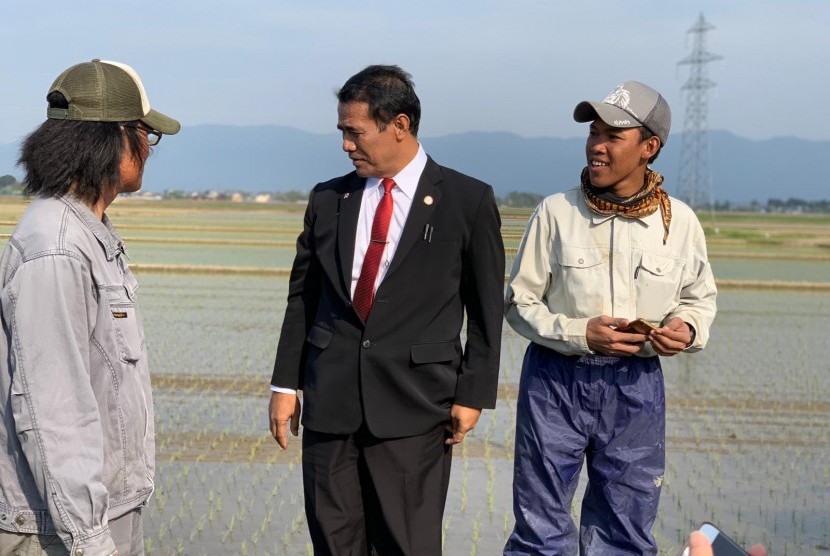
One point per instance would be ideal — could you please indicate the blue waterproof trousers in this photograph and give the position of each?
(609, 411)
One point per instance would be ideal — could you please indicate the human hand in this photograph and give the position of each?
(282, 409)
(699, 546)
(603, 337)
(672, 338)
(462, 420)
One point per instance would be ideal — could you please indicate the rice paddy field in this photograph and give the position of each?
(748, 424)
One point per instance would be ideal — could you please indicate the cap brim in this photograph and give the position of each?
(162, 123)
(617, 117)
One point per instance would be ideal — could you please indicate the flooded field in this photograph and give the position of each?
(748, 442)
(748, 445)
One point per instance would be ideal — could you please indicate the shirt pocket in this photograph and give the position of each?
(657, 280)
(584, 274)
(127, 329)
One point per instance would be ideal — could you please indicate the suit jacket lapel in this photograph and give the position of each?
(419, 213)
(348, 211)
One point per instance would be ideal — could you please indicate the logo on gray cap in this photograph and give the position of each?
(620, 97)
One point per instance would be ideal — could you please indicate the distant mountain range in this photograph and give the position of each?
(277, 158)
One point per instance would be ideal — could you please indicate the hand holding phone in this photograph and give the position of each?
(721, 545)
(638, 326)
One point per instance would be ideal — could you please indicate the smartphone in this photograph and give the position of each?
(638, 326)
(721, 544)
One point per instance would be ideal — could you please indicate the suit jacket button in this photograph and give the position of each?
(367, 344)
(348, 303)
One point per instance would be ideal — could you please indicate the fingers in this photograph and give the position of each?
(457, 435)
(666, 343)
(462, 420)
(273, 417)
(456, 438)
(625, 343)
(278, 431)
(632, 338)
(284, 413)
(280, 437)
(699, 545)
(295, 419)
(602, 337)
(757, 550)
(272, 425)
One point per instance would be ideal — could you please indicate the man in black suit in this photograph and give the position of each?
(390, 259)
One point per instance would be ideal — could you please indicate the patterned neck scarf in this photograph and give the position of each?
(646, 201)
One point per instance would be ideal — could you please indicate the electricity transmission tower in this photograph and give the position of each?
(695, 180)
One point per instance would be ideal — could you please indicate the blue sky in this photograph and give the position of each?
(517, 66)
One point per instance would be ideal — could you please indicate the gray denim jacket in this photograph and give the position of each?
(77, 431)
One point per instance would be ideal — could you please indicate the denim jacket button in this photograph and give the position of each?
(20, 520)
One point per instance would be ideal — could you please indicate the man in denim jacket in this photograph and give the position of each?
(77, 428)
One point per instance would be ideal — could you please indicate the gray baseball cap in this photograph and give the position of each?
(103, 91)
(632, 104)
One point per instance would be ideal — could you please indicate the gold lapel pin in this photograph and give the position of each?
(428, 200)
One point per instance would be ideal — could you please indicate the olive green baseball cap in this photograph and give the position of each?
(103, 91)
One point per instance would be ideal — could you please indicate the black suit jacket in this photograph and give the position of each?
(400, 371)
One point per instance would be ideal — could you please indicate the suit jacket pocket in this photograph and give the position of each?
(319, 337)
(434, 353)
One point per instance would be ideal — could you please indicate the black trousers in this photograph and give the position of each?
(372, 496)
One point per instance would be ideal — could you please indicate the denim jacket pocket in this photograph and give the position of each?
(125, 319)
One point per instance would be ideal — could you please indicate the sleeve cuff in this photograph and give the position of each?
(100, 543)
(282, 390)
(577, 331)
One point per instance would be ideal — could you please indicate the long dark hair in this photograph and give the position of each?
(78, 156)
(388, 90)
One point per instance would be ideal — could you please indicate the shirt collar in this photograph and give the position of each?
(597, 219)
(407, 179)
(101, 229)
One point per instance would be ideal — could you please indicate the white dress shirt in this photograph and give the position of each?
(406, 182)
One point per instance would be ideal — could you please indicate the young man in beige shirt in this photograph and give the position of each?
(593, 259)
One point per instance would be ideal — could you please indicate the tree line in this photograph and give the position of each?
(517, 199)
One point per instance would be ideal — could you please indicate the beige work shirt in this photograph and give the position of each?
(573, 265)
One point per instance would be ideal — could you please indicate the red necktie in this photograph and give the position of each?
(364, 293)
